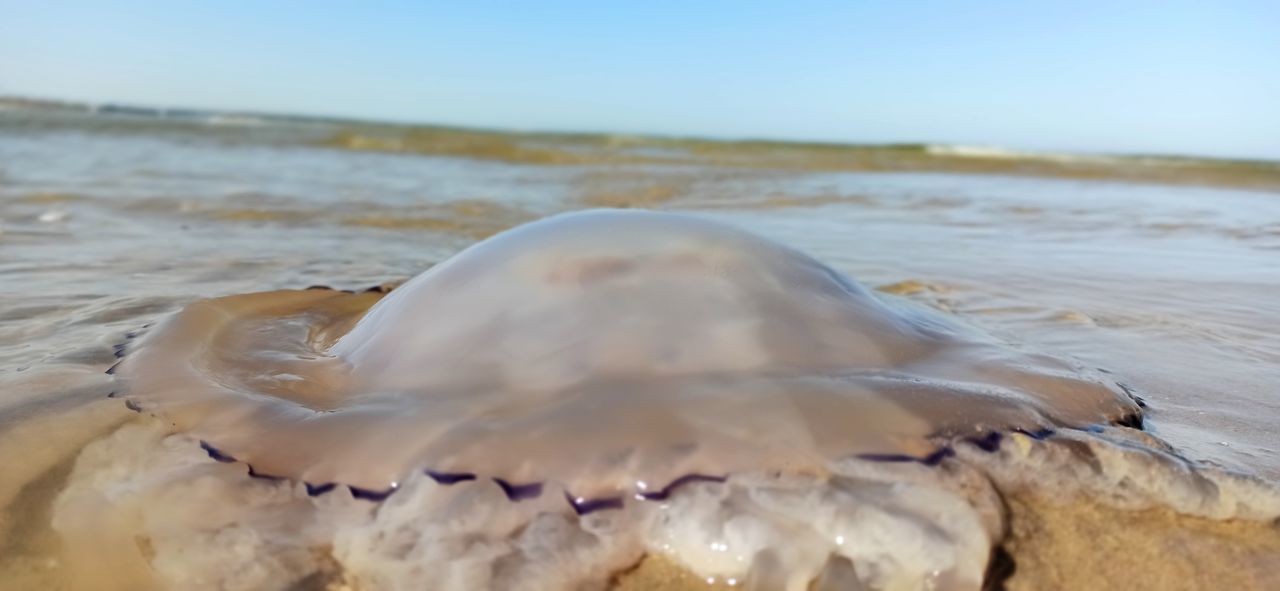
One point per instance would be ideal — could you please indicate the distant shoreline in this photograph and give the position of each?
(564, 148)
(959, 150)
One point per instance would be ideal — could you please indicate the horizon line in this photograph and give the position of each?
(956, 149)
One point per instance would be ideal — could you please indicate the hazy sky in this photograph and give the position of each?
(1180, 77)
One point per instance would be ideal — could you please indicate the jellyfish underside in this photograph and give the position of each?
(609, 352)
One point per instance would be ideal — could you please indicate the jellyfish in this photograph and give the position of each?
(606, 358)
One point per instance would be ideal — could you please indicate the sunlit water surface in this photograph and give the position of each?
(1173, 289)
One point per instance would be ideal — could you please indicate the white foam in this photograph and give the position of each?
(1127, 469)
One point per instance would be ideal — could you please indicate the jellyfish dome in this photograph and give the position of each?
(595, 349)
(608, 355)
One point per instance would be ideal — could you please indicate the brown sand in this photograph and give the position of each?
(659, 572)
(1083, 545)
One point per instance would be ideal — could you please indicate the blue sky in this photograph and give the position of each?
(1169, 77)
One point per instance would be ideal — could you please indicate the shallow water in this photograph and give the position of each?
(1170, 288)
